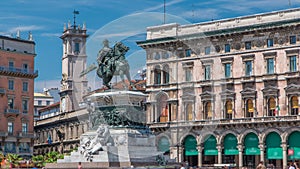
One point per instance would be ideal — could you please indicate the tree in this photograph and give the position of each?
(13, 159)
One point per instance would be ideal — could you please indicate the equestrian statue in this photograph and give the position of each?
(111, 61)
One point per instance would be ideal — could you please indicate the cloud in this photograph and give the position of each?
(25, 28)
(200, 14)
(51, 35)
(122, 34)
(162, 5)
(39, 85)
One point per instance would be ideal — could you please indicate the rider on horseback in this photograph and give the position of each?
(104, 58)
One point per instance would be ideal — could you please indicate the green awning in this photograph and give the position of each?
(190, 146)
(230, 145)
(274, 153)
(231, 151)
(210, 146)
(273, 140)
(211, 152)
(296, 155)
(252, 151)
(163, 144)
(293, 139)
(251, 144)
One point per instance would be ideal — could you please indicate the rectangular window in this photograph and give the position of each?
(77, 47)
(39, 102)
(24, 127)
(47, 102)
(207, 50)
(11, 65)
(227, 48)
(25, 106)
(188, 75)
(25, 86)
(207, 72)
(270, 43)
(247, 45)
(270, 66)
(292, 39)
(10, 103)
(11, 84)
(10, 127)
(227, 70)
(25, 67)
(188, 52)
(293, 63)
(248, 68)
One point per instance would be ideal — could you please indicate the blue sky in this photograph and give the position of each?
(45, 19)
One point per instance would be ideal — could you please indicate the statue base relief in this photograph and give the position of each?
(114, 140)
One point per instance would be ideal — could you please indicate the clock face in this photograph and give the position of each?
(63, 104)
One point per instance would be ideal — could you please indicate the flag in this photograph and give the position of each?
(75, 12)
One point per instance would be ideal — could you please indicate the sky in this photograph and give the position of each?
(116, 20)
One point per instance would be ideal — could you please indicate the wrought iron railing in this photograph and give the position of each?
(18, 70)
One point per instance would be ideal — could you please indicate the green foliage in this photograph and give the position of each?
(52, 157)
(39, 160)
(14, 159)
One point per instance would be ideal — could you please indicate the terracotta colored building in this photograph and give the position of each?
(17, 95)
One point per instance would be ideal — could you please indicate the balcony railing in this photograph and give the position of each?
(25, 134)
(2, 91)
(267, 119)
(21, 71)
(2, 134)
(12, 111)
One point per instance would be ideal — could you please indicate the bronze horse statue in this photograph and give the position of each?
(111, 62)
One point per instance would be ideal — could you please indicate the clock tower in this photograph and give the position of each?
(74, 57)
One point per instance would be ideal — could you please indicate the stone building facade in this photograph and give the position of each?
(226, 91)
(62, 123)
(17, 76)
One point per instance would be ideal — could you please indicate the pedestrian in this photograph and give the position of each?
(292, 166)
(261, 165)
(182, 166)
(79, 165)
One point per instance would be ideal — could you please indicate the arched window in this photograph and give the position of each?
(166, 74)
(157, 75)
(163, 108)
(294, 105)
(208, 110)
(228, 109)
(189, 111)
(249, 108)
(271, 107)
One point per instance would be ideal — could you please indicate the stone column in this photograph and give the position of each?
(262, 152)
(180, 153)
(284, 157)
(240, 148)
(199, 148)
(219, 147)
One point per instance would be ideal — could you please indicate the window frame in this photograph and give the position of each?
(227, 48)
(11, 84)
(248, 45)
(270, 67)
(293, 62)
(293, 39)
(270, 42)
(227, 72)
(207, 50)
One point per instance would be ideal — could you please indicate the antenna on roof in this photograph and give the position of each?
(164, 11)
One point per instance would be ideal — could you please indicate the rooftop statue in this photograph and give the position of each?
(111, 61)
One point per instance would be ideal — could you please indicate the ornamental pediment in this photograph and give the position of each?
(292, 88)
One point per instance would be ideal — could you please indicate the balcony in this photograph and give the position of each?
(23, 134)
(2, 133)
(13, 71)
(2, 91)
(209, 122)
(14, 112)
